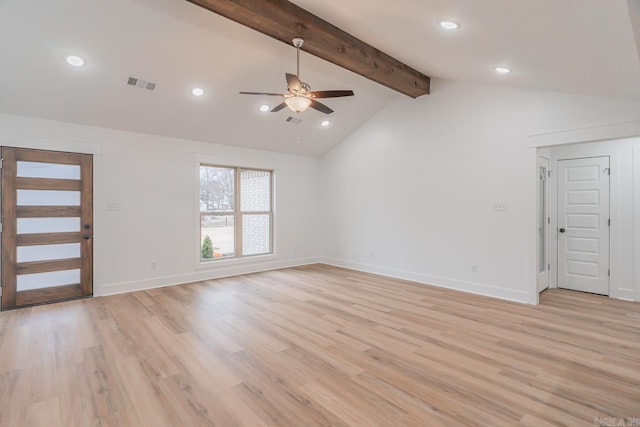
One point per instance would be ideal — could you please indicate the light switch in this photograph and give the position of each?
(500, 207)
(113, 206)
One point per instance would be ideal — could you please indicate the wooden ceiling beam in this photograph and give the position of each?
(284, 20)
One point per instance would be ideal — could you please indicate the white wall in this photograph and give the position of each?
(411, 193)
(154, 180)
(622, 244)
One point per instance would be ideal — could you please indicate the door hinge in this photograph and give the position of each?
(549, 173)
(608, 223)
(548, 266)
(609, 273)
(549, 220)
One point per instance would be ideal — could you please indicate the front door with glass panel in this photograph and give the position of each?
(47, 226)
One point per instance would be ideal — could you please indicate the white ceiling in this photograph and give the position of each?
(576, 46)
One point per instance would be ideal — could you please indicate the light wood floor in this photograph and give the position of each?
(319, 346)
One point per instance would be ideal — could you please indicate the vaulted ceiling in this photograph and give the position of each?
(576, 46)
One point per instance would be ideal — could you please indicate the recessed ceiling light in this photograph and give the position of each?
(502, 70)
(325, 123)
(197, 91)
(264, 108)
(74, 60)
(449, 25)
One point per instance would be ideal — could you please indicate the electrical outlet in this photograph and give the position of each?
(153, 265)
(474, 268)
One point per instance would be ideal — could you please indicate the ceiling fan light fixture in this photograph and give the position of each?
(298, 104)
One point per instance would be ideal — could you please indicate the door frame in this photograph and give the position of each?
(85, 287)
(82, 145)
(588, 150)
(543, 161)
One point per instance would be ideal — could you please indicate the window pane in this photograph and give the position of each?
(27, 282)
(255, 191)
(47, 225)
(48, 198)
(216, 236)
(47, 252)
(47, 170)
(217, 192)
(256, 235)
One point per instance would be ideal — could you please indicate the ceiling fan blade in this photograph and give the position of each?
(261, 93)
(293, 83)
(330, 93)
(320, 107)
(278, 107)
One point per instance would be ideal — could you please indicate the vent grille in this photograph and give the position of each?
(293, 120)
(142, 84)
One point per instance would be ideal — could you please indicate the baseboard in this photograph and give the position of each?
(623, 294)
(198, 276)
(442, 282)
(228, 271)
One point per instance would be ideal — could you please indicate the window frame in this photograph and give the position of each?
(237, 213)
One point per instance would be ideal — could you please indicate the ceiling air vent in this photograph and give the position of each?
(143, 84)
(293, 120)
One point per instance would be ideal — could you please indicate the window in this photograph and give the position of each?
(236, 212)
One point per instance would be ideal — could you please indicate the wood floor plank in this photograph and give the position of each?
(141, 392)
(45, 413)
(319, 346)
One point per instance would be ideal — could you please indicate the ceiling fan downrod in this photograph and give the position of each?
(298, 42)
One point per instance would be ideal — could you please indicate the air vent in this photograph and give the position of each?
(293, 120)
(143, 84)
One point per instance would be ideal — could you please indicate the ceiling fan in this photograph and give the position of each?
(299, 96)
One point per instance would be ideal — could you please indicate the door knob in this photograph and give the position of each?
(562, 230)
(87, 236)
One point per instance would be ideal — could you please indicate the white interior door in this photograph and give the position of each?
(543, 224)
(583, 225)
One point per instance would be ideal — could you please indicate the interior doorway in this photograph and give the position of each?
(583, 221)
(47, 226)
